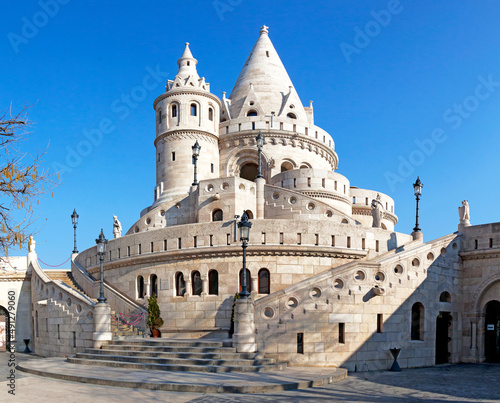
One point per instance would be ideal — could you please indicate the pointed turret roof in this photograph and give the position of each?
(265, 77)
(187, 76)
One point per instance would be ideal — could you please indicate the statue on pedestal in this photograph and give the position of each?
(464, 214)
(377, 212)
(117, 227)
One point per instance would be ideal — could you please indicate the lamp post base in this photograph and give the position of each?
(417, 235)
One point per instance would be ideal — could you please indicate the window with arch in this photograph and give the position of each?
(291, 116)
(249, 280)
(194, 110)
(264, 281)
(217, 215)
(174, 110)
(180, 285)
(249, 214)
(196, 282)
(417, 321)
(140, 287)
(210, 114)
(213, 282)
(286, 166)
(445, 297)
(252, 113)
(153, 280)
(304, 166)
(5, 318)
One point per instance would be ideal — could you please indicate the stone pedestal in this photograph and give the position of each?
(417, 235)
(260, 182)
(102, 325)
(462, 225)
(244, 326)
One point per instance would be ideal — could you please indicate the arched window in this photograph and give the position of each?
(252, 113)
(417, 321)
(264, 281)
(180, 285)
(193, 110)
(249, 214)
(153, 280)
(210, 114)
(213, 282)
(291, 116)
(304, 166)
(174, 111)
(445, 297)
(249, 280)
(286, 166)
(5, 321)
(217, 215)
(196, 282)
(249, 171)
(140, 287)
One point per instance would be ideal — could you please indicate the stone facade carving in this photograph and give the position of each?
(377, 212)
(117, 227)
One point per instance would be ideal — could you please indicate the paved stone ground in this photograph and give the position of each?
(459, 383)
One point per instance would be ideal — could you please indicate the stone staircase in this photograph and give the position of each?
(176, 355)
(66, 277)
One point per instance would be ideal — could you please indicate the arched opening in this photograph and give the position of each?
(213, 282)
(286, 166)
(180, 285)
(445, 297)
(492, 332)
(4, 329)
(252, 113)
(264, 281)
(249, 280)
(443, 324)
(217, 215)
(249, 171)
(417, 321)
(153, 280)
(210, 114)
(140, 287)
(174, 110)
(196, 282)
(249, 214)
(304, 166)
(291, 116)
(344, 221)
(194, 110)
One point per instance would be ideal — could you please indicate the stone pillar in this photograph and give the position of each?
(204, 285)
(255, 285)
(147, 287)
(102, 325)
(260, 182)
(189, 288)
(244, 326)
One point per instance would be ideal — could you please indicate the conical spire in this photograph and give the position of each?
(187, 64)
(266, 76)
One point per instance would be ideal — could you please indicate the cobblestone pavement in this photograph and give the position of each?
(457, 383)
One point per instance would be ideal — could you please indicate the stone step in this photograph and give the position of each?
(172, 367)
(164, 354)
(239, 362)
(178, 343)
(124, 344)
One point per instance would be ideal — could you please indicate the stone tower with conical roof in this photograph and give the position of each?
(187, 112)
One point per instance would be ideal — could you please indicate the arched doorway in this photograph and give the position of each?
(4, 329)
(249, 171)
(492, 332)
(443, 325)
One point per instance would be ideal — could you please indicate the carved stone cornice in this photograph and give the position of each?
(476, 254)
(182, 134)
(186, 91)
(326, 195)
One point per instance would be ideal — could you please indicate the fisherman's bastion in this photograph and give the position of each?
(331, 281)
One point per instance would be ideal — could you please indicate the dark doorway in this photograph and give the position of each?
(249, 171)
(4, 329)
(443, 325)
(492, 332)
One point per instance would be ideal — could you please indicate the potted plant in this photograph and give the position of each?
(154, 319)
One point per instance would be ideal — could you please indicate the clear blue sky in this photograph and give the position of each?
(424, 68)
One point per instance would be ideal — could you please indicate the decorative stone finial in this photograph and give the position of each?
(187, 43)
(264, 30)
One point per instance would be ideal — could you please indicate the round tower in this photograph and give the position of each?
(187, 112)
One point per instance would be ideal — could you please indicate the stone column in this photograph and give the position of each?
(102, 325)
(260, 182)
(189, 288)
(255, 285)
(147, 286)
(244, 326)
(204, 285)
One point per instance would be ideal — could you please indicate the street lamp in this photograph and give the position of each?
(196, 153)
(101, 250)
(260, 144)
(74, 220)
(244, 226)
(417, 188)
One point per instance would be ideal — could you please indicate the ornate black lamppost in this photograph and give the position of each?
(260, 144)
(244, 226)
(101, 250)
(417, 187)
(196, 153)
(74, 220)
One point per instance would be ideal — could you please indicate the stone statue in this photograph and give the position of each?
(377, 212)
(117, 227)
(464, 214)
(31, 244)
